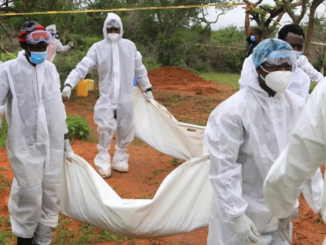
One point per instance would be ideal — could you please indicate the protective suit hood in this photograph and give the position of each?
(51, 28)
(249, 77)
(112, 16)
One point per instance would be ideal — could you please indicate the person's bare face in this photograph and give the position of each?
(295, 40)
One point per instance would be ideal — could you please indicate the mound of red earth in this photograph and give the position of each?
(177, 80)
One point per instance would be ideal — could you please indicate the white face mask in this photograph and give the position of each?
(113, 36)
(298, 54)
(278, 81)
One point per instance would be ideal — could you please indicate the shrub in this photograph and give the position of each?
(3, 133)
(77, 127)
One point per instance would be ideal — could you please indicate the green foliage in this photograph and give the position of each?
(3, 133)
(77, 128)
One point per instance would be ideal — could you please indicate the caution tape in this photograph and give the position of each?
(125, 9)
(266, 15)
(7, 51)
(322, 44)
(207, 45)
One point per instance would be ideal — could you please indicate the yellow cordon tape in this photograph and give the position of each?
(322, 44)
(125, 9)
(7, 51)
(207, 45)
(266, 15)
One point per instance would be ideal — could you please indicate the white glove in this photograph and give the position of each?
(149, 95)
(70, 44)
(67, 149)
(246, 229)
(66, 92)
(284, 227)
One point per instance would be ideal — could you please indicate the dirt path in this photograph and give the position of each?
(190, 99)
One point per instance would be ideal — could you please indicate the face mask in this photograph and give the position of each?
(253, 38)
(113, 36)
(38, 57)
(298, 54)
(278, 81)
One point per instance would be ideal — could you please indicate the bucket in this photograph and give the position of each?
(82, 88)
(90, 84)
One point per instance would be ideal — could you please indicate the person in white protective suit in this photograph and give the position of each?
(304, 154)
(118, 62)
(55, 45)
(30, 95)
(244, 136)
(294, 35)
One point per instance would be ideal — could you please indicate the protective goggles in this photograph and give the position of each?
(38, 36)
(113, 23)
(276, 58)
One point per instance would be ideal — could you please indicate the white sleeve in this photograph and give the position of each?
(224, 135)
(87, 64)
(302, 157)
(60, 47)
(140, 71)
(4, 90)
(305, 65)
(313, 191)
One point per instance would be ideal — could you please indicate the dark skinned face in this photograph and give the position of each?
(113, 30)
(258, 39)
(34, 48)
(270, 68)
(295, 40)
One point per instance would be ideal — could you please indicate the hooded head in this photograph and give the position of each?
(52, 29)
(274, 61)
(112, 20)
(270, 56)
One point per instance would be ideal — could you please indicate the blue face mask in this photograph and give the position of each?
(38, 57)
(56, 36)
(253, 38)
(298, 54)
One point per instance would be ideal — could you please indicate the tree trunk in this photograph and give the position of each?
(311, 25)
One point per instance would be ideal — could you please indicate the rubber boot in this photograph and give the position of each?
(24, 241)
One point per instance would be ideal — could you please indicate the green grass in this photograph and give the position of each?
(222, 78)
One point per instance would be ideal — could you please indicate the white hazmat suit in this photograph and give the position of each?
(244, 136)
(304, 154)
(117, 64)
(55, 45)
(35, 143)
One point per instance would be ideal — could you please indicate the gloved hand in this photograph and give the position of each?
(246, 229)
(67, 149)
(284, 227)
(66, 92)
(149, 95)
(70, 44)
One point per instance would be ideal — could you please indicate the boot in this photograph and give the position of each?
(24, 241)
(120, 161)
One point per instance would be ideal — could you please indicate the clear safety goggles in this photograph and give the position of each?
(38, 36)
(113, 23)
(277, 58)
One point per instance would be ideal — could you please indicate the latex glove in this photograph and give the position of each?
(70, 44)
(284, 227)
(149, 95)
(246, 229)
(67, 149)
(66, 92)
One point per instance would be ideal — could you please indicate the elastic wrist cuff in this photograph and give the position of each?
(149, 89)
(67, 84)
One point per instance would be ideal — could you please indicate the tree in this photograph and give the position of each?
(276, 12)
(320, 36)
(311, 25)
